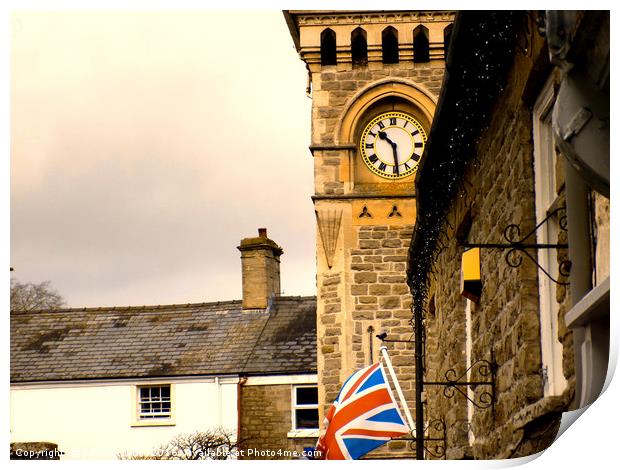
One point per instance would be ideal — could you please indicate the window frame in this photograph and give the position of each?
(546, 198)
(295, 407)
(138, 420)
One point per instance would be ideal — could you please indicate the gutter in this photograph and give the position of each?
(462, 113)
(242, 381)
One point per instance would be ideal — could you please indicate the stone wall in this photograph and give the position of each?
(364, 222)
(381, 301)
(505, 322)
(260, 270)
(364, 293)
(265, 420)
(368, 286)
(332, 89)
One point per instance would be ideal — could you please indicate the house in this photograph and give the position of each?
(96, 383)
(509, 262)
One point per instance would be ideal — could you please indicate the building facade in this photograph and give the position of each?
(509, 262)
(374, 78)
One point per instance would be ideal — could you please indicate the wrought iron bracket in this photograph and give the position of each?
(518, 246)
(484, 370)
(434, 439)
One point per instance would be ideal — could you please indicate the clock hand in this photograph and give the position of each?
(395, 158)
(383, 135)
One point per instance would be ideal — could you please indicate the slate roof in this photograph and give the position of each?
(164, 341)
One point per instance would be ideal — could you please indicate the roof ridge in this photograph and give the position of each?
(122, 308)
(126, 308)
(293, 297)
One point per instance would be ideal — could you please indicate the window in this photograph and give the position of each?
(154, 402)
(305, 407)
(545, 173)
(389, 45)
(420, 45)
(328, 47)
(468, 363)
(359, 47)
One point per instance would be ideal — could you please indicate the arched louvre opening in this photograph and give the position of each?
(359, 47)
(328, 47)
(447, 34)
(389, 45)
(420, 44)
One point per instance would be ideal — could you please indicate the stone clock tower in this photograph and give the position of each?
(374, 78)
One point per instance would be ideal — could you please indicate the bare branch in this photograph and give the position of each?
(214, 444)
(26, 297)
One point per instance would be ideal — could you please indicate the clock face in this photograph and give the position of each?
(392, 145)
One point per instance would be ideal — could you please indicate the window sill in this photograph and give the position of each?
(595, 304)
(546, 405)
(301, 433)
(145, 423)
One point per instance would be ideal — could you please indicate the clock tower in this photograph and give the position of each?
(374, 78)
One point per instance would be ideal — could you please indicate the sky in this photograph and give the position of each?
(145, 145)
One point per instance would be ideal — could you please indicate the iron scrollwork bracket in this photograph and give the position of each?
(517, 246)
(484, 370)
(434, 438)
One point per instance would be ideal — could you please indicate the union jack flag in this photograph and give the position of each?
(363, 417)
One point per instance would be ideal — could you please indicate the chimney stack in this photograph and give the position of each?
(260, 265)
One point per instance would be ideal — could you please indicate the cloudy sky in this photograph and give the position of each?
(145, 145)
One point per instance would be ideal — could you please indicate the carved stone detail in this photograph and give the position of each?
(328, 222)
(383, 17)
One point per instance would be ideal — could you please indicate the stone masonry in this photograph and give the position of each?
(332, 89)
(371, 289)
(364, 222)
(505, 323)
(265, 417)
(260, 270)
(381, 300)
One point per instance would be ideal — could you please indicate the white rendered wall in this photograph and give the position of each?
(96, 420)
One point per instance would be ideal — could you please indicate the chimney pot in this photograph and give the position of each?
(262, 232)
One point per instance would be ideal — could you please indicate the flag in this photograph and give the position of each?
(363, 417)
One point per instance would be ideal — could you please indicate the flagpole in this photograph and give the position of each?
(399, 392)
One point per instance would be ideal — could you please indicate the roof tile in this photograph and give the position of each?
(189, 339)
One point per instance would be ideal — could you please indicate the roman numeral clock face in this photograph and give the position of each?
(392, 145)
